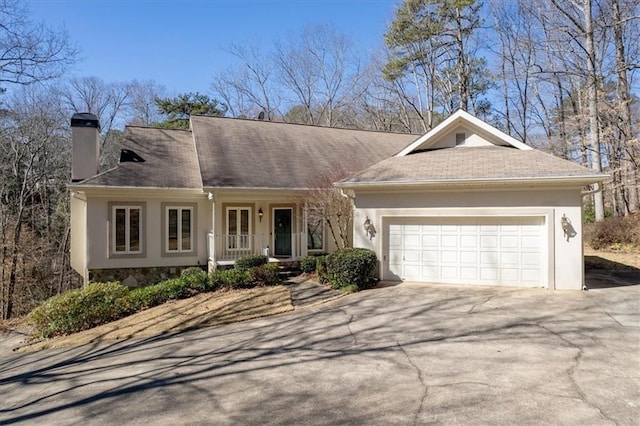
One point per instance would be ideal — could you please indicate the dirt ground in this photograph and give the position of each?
(628, 258)
(203, 310)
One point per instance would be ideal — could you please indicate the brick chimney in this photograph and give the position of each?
(85, 136)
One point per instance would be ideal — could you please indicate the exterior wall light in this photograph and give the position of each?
(567, 227)
(260, 214)
(369, 229)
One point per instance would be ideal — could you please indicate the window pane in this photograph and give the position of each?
(172, 223)
(186, 229)
(315, 230)
(244, 222)
(134, 230)
(233, 222)
(120, 238)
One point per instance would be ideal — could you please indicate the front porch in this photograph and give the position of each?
(276, 224)
(224, 250)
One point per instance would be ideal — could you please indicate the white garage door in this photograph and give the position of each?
(487, 251)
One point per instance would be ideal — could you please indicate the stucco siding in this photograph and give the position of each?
(78, 208)
(564, 263)
(99, 233)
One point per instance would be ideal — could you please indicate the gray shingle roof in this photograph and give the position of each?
(470, 163)
(237, 153)
(169, 161)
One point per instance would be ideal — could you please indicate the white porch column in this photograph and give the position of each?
(304, 244)
(212, 232)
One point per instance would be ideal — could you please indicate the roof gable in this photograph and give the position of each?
(157, 158)
(477, 133)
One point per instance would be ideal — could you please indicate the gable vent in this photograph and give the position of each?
(460, 138)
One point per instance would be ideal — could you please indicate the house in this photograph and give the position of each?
(462, 204)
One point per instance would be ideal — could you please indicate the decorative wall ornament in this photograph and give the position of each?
(369, 229)
(567, 227)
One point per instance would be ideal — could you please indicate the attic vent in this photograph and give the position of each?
(128, 156)
(460, 138)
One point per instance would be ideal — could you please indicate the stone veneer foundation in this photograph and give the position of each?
(137, 277)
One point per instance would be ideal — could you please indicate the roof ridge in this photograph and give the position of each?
(138, 126)
(316, 126)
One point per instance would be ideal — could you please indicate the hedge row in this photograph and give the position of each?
(99, 303)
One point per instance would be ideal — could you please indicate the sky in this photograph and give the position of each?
(181, 44)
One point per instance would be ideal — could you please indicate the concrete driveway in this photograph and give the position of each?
(404, 354)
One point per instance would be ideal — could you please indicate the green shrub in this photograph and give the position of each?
(251, 261)
(81, 309)
(268, 274)
(352, 266)
(196, 279)
(230, 278)
(245, 278)
(321, 269)
(308, 264)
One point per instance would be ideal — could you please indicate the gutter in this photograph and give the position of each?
(582, 180)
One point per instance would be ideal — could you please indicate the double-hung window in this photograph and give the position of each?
(178, 229)
(127, 229)
(315, 229)
(238, 228)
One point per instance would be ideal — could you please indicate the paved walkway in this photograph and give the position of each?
(305, 291)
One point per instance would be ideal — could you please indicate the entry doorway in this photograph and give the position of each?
(282, 231)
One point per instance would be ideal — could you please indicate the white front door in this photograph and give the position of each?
(467, 250)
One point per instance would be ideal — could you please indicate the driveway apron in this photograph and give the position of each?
(396, 354)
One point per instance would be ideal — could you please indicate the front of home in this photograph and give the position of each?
(205, 197)
(463, 204)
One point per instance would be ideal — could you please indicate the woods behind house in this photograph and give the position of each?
(560, 76)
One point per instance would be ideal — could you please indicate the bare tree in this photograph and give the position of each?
(34, 151)
(330, 205)
(108, 101)
(321, 69)
(142, 102)
(249, 88)
(29, 52)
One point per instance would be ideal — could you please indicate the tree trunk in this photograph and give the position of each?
(629, 189)
(594, 128)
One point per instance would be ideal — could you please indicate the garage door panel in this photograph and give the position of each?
(510, 258)
(489, 257)
(531, 275)
(429, 240)
(489, 241)
(449, 273)
(509, 242)
(412, 256)
(412, 272)
(412, 240)
(468, 241)
(468, 273)
(509, 274)
(449, 241)
(530, 241)
(430, 256)
(468, 257)
(449, 256)
(468, 250)
(531, 259)
(489, 274)
(395, 256)
(431, 273)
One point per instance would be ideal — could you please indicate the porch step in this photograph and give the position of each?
(289, 270)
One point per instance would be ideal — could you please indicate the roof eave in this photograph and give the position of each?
(548, 180)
